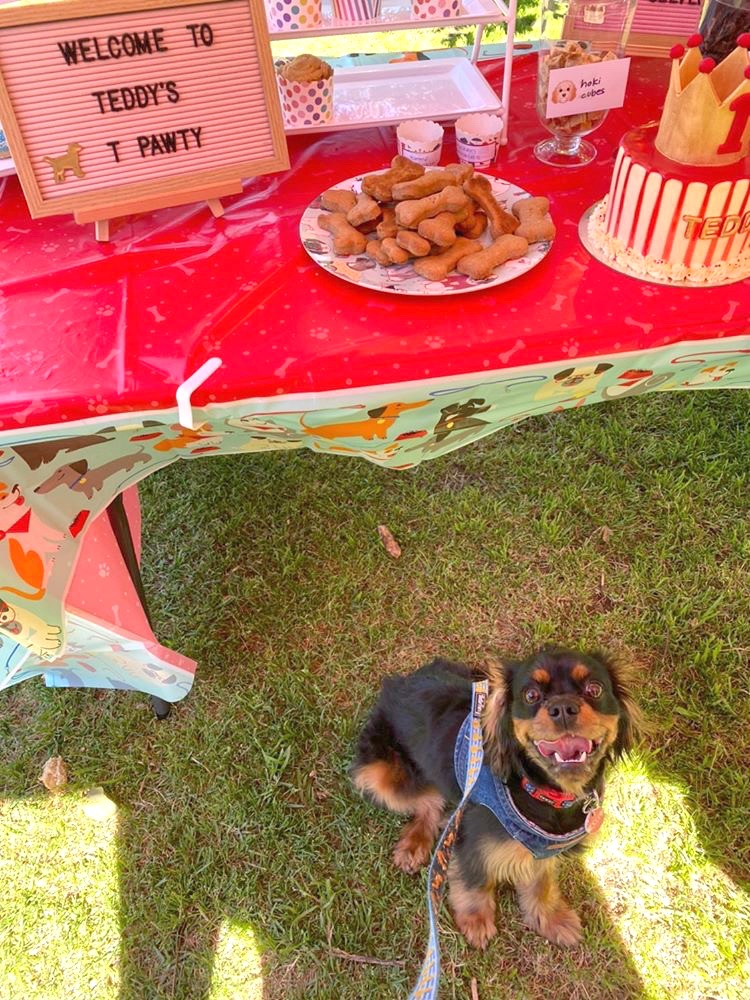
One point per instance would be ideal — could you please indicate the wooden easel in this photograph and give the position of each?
(101, 217)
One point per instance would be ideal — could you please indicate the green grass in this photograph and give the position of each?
(240, 863)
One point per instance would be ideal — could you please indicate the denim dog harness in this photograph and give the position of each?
(494, 795)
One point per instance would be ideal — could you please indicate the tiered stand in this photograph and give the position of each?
(440, 89)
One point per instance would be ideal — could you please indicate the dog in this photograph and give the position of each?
(564, 92)
(376, 425)
(80, 478)
(551, 725)
(70, 160)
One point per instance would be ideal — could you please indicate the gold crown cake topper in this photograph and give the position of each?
(706, 117)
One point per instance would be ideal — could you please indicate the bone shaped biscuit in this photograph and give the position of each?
(346, 239)
(451, 199)
(535, 221)
(439, 267)
(433, 181)
(501, 222)
(482, 264)
(380, 185)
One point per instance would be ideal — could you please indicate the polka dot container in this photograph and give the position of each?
(293, 15)
(306, 104)
(433, 10)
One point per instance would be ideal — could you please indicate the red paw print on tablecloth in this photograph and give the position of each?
(570, 348)
(434, 342)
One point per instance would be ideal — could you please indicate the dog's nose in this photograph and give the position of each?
(563, 710)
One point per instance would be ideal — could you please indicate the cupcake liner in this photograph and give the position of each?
(356, 10)
(306, 103)
(293, 15)
(429, 10)
(420, 141)
(477, 138)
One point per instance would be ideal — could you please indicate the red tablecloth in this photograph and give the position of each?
(90, 329)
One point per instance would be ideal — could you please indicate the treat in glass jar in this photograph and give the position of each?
(576, 33)
(724, 22)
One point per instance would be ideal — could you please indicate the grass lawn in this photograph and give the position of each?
(240, 865)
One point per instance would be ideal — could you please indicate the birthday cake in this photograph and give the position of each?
(678, 207)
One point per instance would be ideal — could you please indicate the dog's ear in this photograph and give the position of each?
(500, 744)
(565, 373)
(603, 367)
(81, 467)
(622, 673)
(376, 412)
(555, 96)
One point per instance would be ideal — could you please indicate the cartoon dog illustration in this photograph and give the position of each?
(30, 630)
(376, 424)
(77, 476)
(31, 544)
(573, 383)
(37, 453)
(70, 160)
(713, 373)
(564, 92)
(460, 417)
(634, 382)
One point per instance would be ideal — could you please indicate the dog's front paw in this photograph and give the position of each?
(477, 927)
(409, 856)
(561, 927)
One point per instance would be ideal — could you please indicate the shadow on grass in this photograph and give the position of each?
(307, 887)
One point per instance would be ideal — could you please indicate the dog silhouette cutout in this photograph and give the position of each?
(70, 160)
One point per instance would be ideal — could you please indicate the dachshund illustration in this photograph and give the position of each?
(564, 92)
(37, 453)
(70, 160)
(375, 425)
(77, 476)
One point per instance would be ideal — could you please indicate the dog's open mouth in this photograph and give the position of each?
(567, 749)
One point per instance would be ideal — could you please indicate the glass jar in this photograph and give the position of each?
(575, 33)
(723, 23)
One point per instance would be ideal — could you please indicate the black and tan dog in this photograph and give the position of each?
(551, 724)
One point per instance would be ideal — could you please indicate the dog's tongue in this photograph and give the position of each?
(565, 748)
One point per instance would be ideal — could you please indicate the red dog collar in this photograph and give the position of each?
(550, 796)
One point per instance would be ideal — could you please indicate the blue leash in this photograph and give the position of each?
(427, 985)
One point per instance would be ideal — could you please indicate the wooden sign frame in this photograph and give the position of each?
(185, 186)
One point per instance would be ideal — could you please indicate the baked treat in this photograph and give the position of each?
(305, 69)
(678, 207)
(432, 233)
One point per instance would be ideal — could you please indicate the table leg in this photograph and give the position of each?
(118, 520)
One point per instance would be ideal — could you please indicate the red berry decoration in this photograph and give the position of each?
(695, 40)
(744, 40)
(677, 52)
(706, 65)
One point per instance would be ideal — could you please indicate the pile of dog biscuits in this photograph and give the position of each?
(434, 218)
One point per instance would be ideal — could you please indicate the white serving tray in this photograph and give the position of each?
(396, 14)
(389, 93)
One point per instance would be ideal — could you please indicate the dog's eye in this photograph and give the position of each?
(594, 689)
(531, 696)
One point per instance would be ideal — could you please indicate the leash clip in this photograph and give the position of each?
(591, 802)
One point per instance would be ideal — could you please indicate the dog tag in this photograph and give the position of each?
(594, 820)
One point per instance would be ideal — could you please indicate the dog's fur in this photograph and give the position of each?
(405, 762)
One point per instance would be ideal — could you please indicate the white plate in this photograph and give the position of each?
(7, 166)
(389, 93)
(401, 279)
